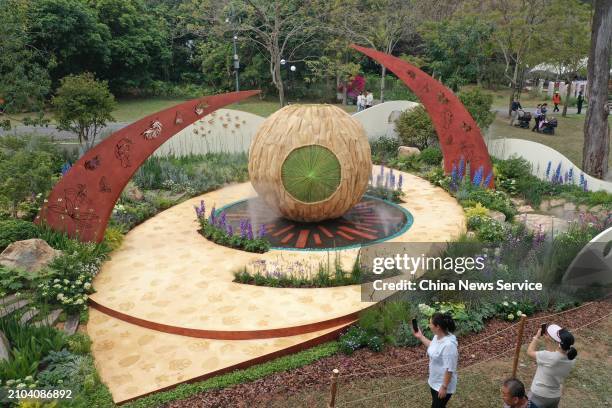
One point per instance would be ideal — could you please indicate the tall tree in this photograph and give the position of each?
(569, 33)
(379, 24)
(596, 130)
(518, 34)
(282, 29)
(24, 80)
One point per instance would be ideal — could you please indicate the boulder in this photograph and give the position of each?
(30, 255)
(406, 151)
(133, 193)
(496, 215)
(525, 209)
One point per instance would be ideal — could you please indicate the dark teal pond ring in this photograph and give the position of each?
(371, 221)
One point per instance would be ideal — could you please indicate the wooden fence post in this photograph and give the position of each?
(334, 388)
(519, 342)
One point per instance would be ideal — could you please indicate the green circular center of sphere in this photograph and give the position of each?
(311, 173)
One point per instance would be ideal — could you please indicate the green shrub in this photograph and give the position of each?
(468, 195)
(513, 310)
(409, 163)
(384, 149)
(79, 343)
(60, 369)
(432, 156)
(477, 211)
(16, 230)
(356, 337)
(113, 237)
(414, 128)
(478, 103)
(487, 229)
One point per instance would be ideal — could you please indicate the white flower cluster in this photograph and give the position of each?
(72, 294)
(27, 382)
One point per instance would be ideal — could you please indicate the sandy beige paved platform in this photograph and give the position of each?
(134, 361)
(168, 274)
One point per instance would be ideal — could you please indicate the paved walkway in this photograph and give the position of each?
(166, 273)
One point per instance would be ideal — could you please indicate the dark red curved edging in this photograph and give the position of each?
(258, 360)
(82, 201)
(227, 334)
(459, 135)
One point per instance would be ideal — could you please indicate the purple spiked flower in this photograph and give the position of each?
(243, 228)
(400, 182)
(548, 166)
(229, 230)
(262, 231)
(487, 181)
(477, 181)
(461, 173)
(212, 218)
(249, 230)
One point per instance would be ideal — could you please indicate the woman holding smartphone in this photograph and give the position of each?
(553, 365)
(443, 358)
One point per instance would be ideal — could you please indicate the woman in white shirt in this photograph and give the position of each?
(553, 365)
(360, 102)
(443, 358)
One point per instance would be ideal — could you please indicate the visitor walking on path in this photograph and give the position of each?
(553, 365)
(514, 108)
(513, 395)
(537, 116)
(556, 99)
(369, 99)
(443, 358)
(361, 101)
(579, 102)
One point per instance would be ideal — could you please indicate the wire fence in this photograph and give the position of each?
(467, 346)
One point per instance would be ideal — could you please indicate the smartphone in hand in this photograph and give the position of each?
(415, 325)
(543, 331)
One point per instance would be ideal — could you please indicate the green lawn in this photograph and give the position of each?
(568, 138)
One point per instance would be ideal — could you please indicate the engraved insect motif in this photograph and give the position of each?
(442, 98)
(103, 185)
(75, 205)
(447, 118)
(153, 131)
(122, 152)
(466, 127)
(178, 119)
(200, 107)
(411, 74)
(93, 163)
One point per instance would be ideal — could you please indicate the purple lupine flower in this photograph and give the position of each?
(461, 173)
(229, 230)
(203, 208)
(400, 182)
(249, 230)
(243, 228)
(477, 181)
(262, 231)
(198, 211)
(584, 186)
(222, 221)
(212, 218)
(582, 179)
(557, 175)
(548, 167)
(392, 181)
(65, 167)
(487, 181)
(570, 175)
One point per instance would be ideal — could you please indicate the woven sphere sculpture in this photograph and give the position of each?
(310, 162)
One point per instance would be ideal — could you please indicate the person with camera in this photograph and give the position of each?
(553, 365)
(443, 358)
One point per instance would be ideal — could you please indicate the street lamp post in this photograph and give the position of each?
(236, 60)
(290, 70)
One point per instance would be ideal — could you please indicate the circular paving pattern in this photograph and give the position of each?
(372, 220)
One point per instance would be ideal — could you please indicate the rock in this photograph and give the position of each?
(517, 201)
(405, 151)
(27, 316)
(50, 319)
(525, 209)
(556, 202)
(496, 215)
(471, 234)
(597, 208)
(5, 347)
(569, 207)
(8, 309)
(71, 325)
(30, 255)
(583, 208)
(544, 205)
(133, 193)
(547, 223)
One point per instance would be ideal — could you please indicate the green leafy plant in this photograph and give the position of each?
(16, 230)
(384, 149)
(415, 128)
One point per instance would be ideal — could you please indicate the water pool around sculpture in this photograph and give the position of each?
(370, 221)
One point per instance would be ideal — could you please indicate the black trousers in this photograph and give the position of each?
(556, 109)
(579, 108)
(436, 402)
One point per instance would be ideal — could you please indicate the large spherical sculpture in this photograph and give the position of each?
(310, 162)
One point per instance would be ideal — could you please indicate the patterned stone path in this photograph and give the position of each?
(166, 273)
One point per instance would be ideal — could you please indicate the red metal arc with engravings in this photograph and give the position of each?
(81, 203)
(459, 135)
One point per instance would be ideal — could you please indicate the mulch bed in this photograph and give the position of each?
(366, 364)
